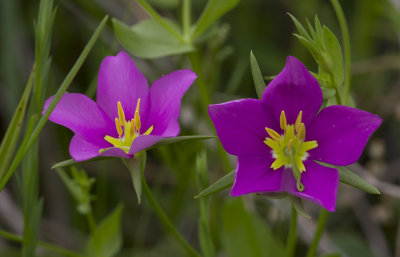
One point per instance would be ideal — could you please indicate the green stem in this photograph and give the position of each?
(160, 19)
(91, 221)
(164, 219)
(51, 247)
(186, 20)
(347, 51)
(291, 241)
(318, 233)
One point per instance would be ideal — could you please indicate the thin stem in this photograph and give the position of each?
(53, 248)
(318, 233)
(347, 51)
(160, 19)
(91, 221)
(164, 219)
(291, 241)
(186, 20)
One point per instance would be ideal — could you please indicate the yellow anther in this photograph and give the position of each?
(301, 134)
(114, 141)
(137, 116)
(298, 121)
(283, 120)
(121, 114)
(273, 134)
(118, 126)
(149, 130)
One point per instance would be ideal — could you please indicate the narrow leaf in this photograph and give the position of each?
(302, 31)
(106, 239)
(9, 142)
(64, 86)
(352, 179)
(70, 162)
(258, 79)
(221, 184)
(335, 53)
(148, 39)
(298, 205)
(213, 11)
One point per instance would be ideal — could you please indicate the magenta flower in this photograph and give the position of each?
(128, 116)
(278, 139)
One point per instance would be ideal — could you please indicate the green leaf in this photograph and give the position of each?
(106, 239)
(31, 138)
(213, 11)
(9, 142)
(173, 140)
(148, 39)
(245, 234)
(302, 31)
(221, 184)
(335, 54)
(70, 162)
(258, 79)
(350, 178)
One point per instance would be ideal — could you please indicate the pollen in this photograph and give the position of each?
(128, 131)
(289, 149)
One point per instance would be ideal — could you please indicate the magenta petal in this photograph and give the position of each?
(254, 175)
(321, 184)
(120, 80)
(143, 142)
(81, 150)
(240, 126)
(83, 116)
(165, 97)
(342, 133)
(293, 90)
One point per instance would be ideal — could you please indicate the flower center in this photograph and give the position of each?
(290, 149)
(127, 130)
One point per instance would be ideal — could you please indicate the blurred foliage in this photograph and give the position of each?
(260, 26)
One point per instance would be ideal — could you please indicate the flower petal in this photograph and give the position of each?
(240, 126)
(83, 116)
(143, 142)
(254, 175)
(81, 150)
(293, 90)
(120, 80)
(165, 97)
(321, 184)
(342, 133)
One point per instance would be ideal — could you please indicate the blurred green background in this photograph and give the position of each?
(363, 225)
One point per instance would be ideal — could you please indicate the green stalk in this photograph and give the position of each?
(64, 86)
(318, 233)
(48, 246)
(186, 20)
(165, 221)
(347, 51)
(160, 19)
(291, 241)
(91, 221)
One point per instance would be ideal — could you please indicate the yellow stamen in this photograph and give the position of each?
(121, 114)
(273, 134)
(114, 141)
(118, 126)
(137, 116)
(283, 120)
(301, 134)
(149, 130)
(298, 121)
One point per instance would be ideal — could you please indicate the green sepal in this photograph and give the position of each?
(106, 239)
(136, 168)
(298, 205)
(221, 184)
(350, 178)
(258, 79)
